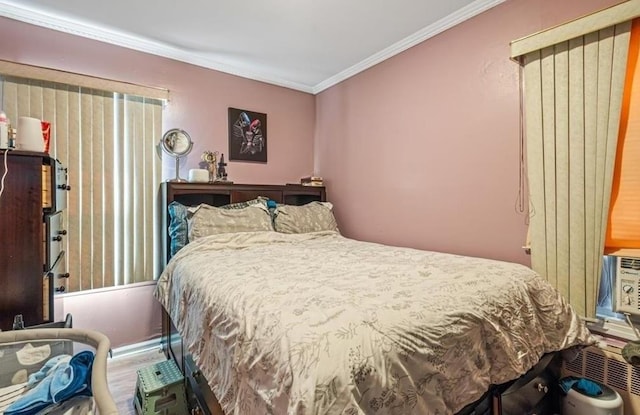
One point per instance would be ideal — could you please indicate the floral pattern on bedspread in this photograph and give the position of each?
(320, 324)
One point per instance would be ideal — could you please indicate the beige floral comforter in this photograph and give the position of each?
(321, 324)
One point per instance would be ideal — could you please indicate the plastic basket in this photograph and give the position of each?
(25, 352)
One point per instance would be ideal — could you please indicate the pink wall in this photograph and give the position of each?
(422, 149)
(198, 103)
(126, 315)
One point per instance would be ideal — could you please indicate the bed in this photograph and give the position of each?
(302, 320)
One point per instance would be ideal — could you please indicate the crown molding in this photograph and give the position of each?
(420, 36)
(78, 28)
(90, 31)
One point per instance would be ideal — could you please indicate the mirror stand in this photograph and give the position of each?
(177, 178)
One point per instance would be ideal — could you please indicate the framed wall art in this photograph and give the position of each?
(247, 135)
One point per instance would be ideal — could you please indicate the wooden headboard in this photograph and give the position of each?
(193, 194)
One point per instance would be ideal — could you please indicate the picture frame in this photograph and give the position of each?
(247, 135)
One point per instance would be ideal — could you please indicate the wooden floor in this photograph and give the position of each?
(121, 374)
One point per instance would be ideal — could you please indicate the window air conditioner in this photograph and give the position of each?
(628, 285)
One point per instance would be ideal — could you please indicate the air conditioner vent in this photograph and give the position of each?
(594, 368)
(630, 263)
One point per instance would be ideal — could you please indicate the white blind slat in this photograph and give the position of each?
(109, 190)
(591, 49)
(535, 160)
(561, 142)
(549, 162)
(576, 182)
(74, 205)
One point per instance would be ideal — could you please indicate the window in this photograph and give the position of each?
(606, 297)
(107, 141)
(623, 226)
(576, 76)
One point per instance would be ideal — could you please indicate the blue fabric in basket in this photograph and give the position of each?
(63, 382)
(51, 364)
(588, 387)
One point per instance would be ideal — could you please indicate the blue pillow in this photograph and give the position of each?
(178, 230)
(178, 224)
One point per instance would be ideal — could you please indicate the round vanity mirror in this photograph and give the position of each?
(176, 143)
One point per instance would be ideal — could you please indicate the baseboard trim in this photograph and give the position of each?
(135, 348)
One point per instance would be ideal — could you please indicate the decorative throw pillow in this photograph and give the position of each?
(312, 217)
(179, 215)
(209, 220)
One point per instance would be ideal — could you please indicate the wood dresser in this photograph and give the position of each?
(31, 236)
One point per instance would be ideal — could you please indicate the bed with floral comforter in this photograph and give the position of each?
(321, 324)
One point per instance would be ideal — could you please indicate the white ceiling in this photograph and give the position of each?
(308, 45)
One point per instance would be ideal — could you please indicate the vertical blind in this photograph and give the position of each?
(107, 142)
(573, 97)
